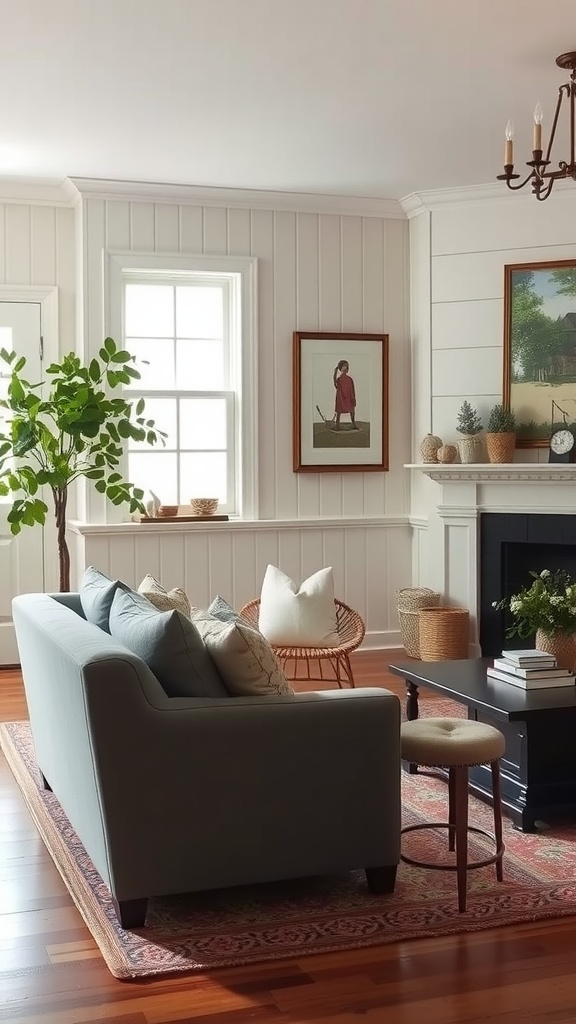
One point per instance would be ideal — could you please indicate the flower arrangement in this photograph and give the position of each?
(548, 604)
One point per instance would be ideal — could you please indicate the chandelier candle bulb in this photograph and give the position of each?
(537, 137)
(509, 147)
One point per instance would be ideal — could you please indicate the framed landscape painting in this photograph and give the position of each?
(540, 348)
(340, 389)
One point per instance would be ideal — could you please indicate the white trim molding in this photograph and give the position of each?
(239, 198)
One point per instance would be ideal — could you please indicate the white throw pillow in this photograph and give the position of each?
(298, 617)
(162, 599)
(246, 662)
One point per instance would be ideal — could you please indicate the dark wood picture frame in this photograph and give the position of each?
(539, 380)
(340, 413)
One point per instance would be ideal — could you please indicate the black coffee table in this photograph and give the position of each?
(539, 766)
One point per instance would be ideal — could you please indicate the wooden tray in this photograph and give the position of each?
(184, 519)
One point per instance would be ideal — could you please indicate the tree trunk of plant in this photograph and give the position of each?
(60, 500)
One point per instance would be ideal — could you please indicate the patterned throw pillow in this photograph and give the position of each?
(304, 616)
(162, 599)
(243, 657)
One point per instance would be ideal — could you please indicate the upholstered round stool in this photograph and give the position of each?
(457, 744)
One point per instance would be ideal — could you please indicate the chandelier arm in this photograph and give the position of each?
(514, 188)
(566, 88)
(540, 195)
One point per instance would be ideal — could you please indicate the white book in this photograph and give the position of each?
(530, 684)
(526, 672)
(521, 657)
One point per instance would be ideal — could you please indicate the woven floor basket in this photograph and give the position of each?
(408, 601)
(443, 633)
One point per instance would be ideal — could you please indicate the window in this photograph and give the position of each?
(194, 342)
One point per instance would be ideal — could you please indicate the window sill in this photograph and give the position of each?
(126, 529)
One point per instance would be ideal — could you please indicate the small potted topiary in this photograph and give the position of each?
(469, 425)
(501, 434)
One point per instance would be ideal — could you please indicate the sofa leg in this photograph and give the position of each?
(131, 913)
(45, 783)
(381, 880)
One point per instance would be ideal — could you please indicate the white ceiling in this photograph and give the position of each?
(375, 98)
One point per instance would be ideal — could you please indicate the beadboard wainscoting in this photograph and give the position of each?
(371, 559)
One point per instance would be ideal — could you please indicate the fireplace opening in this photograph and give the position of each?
(511, 546)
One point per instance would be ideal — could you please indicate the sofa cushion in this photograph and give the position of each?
(169, 644)
(295, 616)
(96, 596)
(244, 658)
(162, 599)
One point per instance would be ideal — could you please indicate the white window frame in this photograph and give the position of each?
(242, 273)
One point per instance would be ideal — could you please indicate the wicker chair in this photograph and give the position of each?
(320, 664)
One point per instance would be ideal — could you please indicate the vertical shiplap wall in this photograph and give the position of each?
(458, 252)
(315, 272)
(37, 247)
(470, 243)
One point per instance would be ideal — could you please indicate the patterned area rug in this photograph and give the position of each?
(291, 919)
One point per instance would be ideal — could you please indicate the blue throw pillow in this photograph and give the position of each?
(96, 596)
(170, 645)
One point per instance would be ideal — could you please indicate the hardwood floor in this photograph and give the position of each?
(51, 971)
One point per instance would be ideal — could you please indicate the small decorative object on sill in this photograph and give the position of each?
(429, 448)
(469, 425)
(204, 506)
(546, 608)
(447, 453)
(167, 511)
(408, 601)
(501, 435)
(152, 504)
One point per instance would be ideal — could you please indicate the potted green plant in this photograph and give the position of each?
(55, 433)
(501, 434)
(469, 425)
(546, 609)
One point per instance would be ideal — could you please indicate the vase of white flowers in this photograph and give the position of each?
(547, 610)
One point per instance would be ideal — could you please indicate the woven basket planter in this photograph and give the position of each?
(500, 447)
(562, 647)
(443, 633)
(408, 602)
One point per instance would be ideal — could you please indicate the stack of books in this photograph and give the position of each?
(531, 670)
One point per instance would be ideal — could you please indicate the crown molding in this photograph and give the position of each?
(38, 191)
(472, 195)
(240, 198)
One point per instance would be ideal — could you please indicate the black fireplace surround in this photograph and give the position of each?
(512, 545)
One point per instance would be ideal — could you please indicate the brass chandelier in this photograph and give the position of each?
(541, 178)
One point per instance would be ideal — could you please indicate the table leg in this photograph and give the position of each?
(411, 715)
(411, 701)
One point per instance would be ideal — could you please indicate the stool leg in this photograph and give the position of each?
(497, 804)
(461, 810)
(451, 811)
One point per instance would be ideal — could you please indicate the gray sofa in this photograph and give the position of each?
(178, 794)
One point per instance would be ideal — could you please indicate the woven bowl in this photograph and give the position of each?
(204, 506)
(168, 510)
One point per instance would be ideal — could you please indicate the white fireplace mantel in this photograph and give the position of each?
(465, 491)
(491, 471)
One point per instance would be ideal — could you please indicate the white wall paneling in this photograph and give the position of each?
(457, 287)
(371, 561)
(316, 271)
(37, 265)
